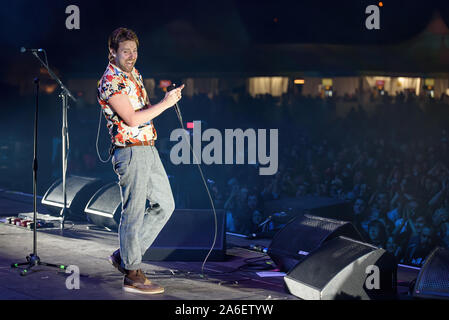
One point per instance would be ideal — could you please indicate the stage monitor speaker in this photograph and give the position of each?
(344, 269)
(304, 234)
(318, 206)
(433, 278)
(78, 191)
(188, 236)
(105, 207)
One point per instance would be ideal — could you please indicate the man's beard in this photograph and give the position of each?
(128, 66)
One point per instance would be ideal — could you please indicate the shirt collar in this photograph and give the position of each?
(117, 70)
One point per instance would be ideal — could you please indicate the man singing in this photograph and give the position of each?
(125, 104)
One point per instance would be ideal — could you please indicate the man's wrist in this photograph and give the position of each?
(163, 105)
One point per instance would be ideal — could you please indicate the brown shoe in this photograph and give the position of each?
(141, 275)
(116, 261)
(136, 282)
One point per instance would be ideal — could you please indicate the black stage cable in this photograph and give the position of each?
(179, 115)
(191, 275)
(248, 266)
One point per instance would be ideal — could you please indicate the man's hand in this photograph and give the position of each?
(173, 96)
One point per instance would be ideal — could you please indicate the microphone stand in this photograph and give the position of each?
(33, 259)
(65, 134)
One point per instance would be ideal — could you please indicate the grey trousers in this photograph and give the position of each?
(141, 176)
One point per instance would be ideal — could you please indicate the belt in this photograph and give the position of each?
(141, 143)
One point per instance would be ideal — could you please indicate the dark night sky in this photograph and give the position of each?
(225, 24)
(297, 21)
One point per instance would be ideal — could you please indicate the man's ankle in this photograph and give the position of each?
(130, 272)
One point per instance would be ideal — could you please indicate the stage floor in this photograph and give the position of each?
(89, 249)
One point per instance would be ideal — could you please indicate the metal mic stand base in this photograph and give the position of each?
(32, 261)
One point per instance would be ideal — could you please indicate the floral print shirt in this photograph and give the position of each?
(115, 81)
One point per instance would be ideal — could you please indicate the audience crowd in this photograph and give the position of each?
(391, 165)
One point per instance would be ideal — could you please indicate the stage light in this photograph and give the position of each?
(164, 84)
(429, 82)
(327, 85)
(49, 88)
(381, 4)
(299, 81)
(327, 82)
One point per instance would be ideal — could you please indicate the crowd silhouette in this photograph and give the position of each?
(390, 164)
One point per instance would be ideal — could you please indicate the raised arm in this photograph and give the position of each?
(121, 104)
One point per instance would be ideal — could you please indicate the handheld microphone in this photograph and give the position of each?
(176, 107)
(23, 49)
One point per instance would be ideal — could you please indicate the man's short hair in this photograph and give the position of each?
(119, 35)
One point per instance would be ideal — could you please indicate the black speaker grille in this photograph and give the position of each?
(74, 184)
(333, 256)
(78, 191)
(107, 199)
(434, 276)
(307, 232)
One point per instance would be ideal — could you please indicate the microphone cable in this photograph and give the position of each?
(178, 113)
(96, 144)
